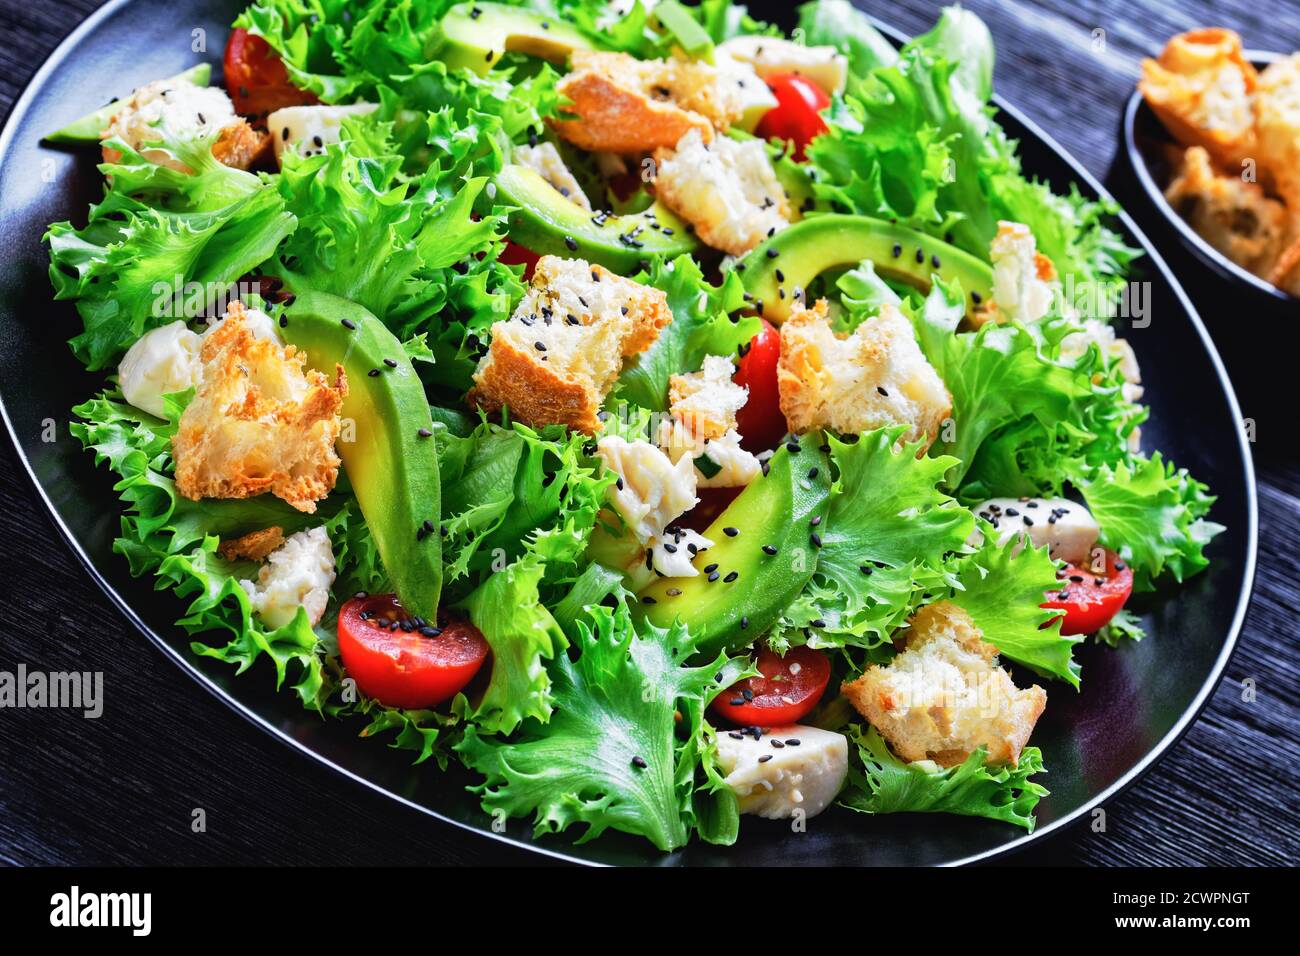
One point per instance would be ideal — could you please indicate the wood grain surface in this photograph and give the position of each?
(121, 789)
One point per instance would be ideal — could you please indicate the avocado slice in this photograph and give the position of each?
(392, 463)
(547, 222)
(778, 510)
(806, 249)
(86, 130)
(477, 35)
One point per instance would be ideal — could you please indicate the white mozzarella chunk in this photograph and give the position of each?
(824, 65)
(651, 490)
(297, 574)
(309, 129)
(756, 99)
(261, 325)
(1065, 527)
(162, 361)
(671, 555)
(775, 781)
(168, 111)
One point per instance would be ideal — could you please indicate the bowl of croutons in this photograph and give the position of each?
(1213, 135)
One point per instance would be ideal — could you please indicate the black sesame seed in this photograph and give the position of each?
(976, 298)
(920, 256)
(284, 321)
(765, 758)
(639, 762)
(777, 744)
(424, 433)
(391, 363)
(731, 532)
(713, 577)
(815, 520)
(1012, 512)
(934, 261)
(373, 373)
(792, 741)
(898, 250)
(571, 243)
(349, 325)
(818, 622)
(1029, 522)
(816, 540)
(812, 473)
(769, 549)
(792, 448)
(744, 623)
(772, 253)
(731, 577)
(710, 567)
(884, 392)
(864, 569)
(647, 599)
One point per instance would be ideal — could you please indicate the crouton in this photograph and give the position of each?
(726, 189)
(623, 105)
(545, 160)
(166, 110)
(707, 401)
(872, 377)
(1201, 89)
(254, 546)
(944, 696)
(1277, 127)
(769, 56)
(259, 422)
(1232, 215)
(1024, 280)
(556, 358)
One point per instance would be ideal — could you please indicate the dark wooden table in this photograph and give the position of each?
(121, 789)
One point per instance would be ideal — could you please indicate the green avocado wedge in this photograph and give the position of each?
(777, 270)
(477, 35)
(87, 130)
(387, 446)
(781, 510)
(548, 223)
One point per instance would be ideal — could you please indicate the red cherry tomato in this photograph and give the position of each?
(797, 114)
(406, 668)
(516, 255)
(256, 79)
(760, 421)
(789, 688)
(1090, 598)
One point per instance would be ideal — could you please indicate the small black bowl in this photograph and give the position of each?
(1145, 139)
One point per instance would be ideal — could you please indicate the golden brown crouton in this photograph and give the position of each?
(706, 402)
(872, 377)
(167, 109)
(624, 105)
(1277, 128)
(1234, 216)
(556, 358)
(943, 696)
(259, 421)
(1201, 89)
(254, 546)
(726, 189)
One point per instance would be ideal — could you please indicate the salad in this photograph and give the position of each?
(662, 417)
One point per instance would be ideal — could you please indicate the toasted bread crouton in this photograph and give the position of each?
(544, 159)
(1234, 216)
(707, 401)
(558, 355)
(259, 422)
(944, 696)
(166, 110)
(1024, 280)
(872, 377)
(254, 546)
(1201, 89)
(1277, 127)
(726, 189)
(623, 105)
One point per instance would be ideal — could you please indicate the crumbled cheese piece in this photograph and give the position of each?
(297, 574)
(162, 361)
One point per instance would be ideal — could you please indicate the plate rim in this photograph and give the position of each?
(1190, 714)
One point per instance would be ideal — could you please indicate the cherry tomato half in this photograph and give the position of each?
(1090, 598)
(256, 79)
(797, 114)
(516, 255)
(406, 668)
(760, 421)
(789, 688)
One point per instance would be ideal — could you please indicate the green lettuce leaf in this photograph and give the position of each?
(611, 756)
(840, 24)
(702, 325)
(1153, 515)
(884, 784)
(1002, 591)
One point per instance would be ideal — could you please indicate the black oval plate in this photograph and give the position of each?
(1137, 700)
(1144, 139)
